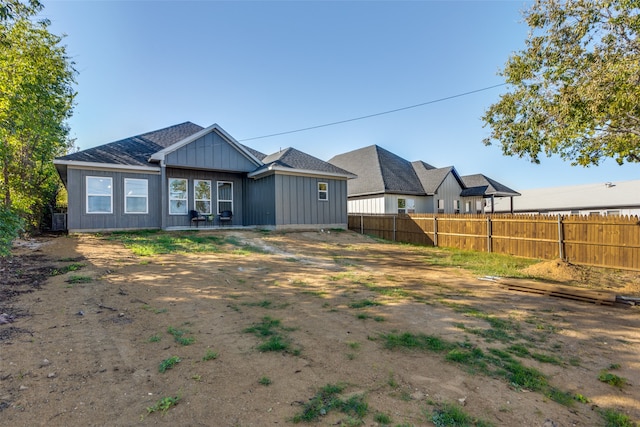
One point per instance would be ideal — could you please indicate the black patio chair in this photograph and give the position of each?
(225, 217)
(196, 217)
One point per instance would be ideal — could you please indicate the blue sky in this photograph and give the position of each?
(263, 67)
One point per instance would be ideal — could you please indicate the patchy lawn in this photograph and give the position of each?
(248, 328)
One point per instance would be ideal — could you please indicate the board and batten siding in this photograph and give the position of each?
(449, 191)
(211, 152)
(184, 220)
(296, 201)
(260, 204)
(79, 220)
(372, 205)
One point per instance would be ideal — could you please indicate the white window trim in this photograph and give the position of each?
(326, 192)
(98, 195)
(186, 199)
(146, 196)
(218, 199)
(195, 201)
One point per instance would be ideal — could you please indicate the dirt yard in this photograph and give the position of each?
(87, 327)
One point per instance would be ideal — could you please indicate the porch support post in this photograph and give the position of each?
(163, 196)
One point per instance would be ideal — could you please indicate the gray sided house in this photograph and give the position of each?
(387, 183)
(155, 180)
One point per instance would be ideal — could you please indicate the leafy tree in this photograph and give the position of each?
(36, 97)
(575, 89)
(14, 9)
(10, 227)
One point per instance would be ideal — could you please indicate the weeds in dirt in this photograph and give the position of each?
(264, 304)
(580, 398)
(264, 381)
(275, 343)
(164, 404)
(328, 399)
(453, 416)
(271, 331)
(74, 280)
(67, 269)
(179, 336)
(168, 364)
(614, 418)
(153, 309)
(388, 291)
(154, 242)
(417, 342)
(500, 328)
(611, 379)
(364, 303)
(210, 355)
(154, 338)
(382, 419)
(497, 362)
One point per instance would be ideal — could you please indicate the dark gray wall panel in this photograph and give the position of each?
(79, 219)
(260, 201)
(297, 201)
(211, 152)
(191, 175)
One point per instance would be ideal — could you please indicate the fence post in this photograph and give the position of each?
(489, 234)
(394, 227)
(435, 231)
(560, 238)
(361, 224)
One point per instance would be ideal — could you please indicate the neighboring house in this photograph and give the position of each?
(606, 198)
(387, 183)
(154, 180)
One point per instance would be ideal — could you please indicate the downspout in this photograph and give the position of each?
(493, 202)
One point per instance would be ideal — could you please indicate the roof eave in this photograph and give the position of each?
(290, 171)
(96, 165)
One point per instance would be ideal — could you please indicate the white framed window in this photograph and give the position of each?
(402, 206)
(323, 191)
(202, 196)
(136, 196)
(178, 196)
(456, 206)
(440, 205)
(99, 195)
(406, 206)
(225, 196)
(467, 207)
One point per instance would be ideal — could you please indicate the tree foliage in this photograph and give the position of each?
(575, 88)
(36, 98)
(10, 227)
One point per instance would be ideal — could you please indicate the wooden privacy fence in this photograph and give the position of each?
(601, 241)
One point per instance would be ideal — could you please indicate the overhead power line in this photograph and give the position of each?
(375, 114)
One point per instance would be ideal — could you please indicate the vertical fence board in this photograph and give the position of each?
(612, 242)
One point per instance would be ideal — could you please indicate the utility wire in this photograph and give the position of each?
(376, 114)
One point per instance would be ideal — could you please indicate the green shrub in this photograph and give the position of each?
(11, 225)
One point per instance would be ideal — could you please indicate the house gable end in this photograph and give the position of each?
(211, 149)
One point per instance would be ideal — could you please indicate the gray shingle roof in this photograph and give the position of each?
(481, 185)
(431, 179)
(378, 171)
(295, 159)
(135, 150)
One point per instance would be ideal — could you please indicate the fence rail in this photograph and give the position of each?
(611, 241)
